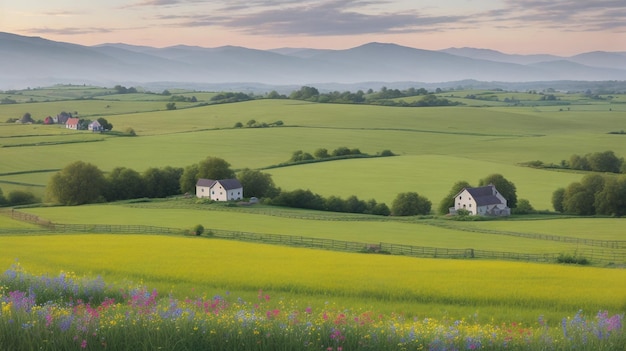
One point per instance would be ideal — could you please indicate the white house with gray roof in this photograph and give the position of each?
(481, 201)
(219, 190)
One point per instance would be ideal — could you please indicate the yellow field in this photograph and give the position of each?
(186, 265)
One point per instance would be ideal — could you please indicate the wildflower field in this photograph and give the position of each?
(66, 312)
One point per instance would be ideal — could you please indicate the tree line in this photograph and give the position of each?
(340, 152)
(595, 194)
(17, 198)
(383, 97)
(82, 183)
(605, 161)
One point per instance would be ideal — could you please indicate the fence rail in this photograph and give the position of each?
(597, 255)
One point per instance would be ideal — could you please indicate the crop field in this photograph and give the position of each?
(419, 287)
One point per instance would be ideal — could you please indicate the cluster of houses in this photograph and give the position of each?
(72, 122)
(219, 190)
(480, 201)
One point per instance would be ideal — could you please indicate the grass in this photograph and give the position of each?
(430, 233)
(419, 287)
(69, 312)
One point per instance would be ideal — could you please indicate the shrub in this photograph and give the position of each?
(21, 197)
(572, 259)
(198, 230)
(523, 207)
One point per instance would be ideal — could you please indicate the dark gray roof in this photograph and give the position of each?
(484, 195)
(205, 182)
(487, 200)
(229, 184)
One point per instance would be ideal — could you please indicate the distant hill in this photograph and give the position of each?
(35, 61)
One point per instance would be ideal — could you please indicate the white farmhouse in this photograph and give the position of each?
(219, 190)
(482, 201)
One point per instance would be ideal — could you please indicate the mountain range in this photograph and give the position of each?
(35, 61)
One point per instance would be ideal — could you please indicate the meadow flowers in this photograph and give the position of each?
(87, 314)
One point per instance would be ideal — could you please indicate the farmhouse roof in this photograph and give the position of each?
(484, 195)
(205, 182)
(229, 184)
(72, 121)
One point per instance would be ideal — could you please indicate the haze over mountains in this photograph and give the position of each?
(34, 61)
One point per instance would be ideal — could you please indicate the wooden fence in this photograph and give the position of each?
(604, 255)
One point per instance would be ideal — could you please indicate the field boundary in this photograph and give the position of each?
(612, 244)
(598, 256)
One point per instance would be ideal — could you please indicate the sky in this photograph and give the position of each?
(558, 27)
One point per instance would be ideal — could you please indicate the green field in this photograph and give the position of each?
(435, 148)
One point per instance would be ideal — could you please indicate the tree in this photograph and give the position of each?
(238, 125)
(580, 198)
(3, 200)
(410, 204)
(123, 184)
(162, 182)
(76, 184)
(341, 151)
(448, 201)
(604, 162)
(506, 188)
(300, 155)
(215, 168)
(557, 199)
(305, 93)
(381, 209)
(198, 229)
(21, 197)
(27, 118)
(611, 200)
(321, 153)
(354, 205)
(105, 124)
(578, 162)
(170, 106)
(256, 183)
(189, 178)
(334, 204)
(523, 207)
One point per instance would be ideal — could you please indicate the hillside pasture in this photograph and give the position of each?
(437, 146)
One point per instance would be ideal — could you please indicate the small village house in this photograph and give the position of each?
(95, 126)
(72, 123)
(481, 201)
(219, 190)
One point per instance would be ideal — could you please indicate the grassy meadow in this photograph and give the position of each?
(418, 287)
(435, 148)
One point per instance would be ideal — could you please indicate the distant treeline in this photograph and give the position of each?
(385, 97)
(300, 198)
(605, 161)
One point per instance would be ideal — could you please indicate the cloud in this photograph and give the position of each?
(292, 17)
(68, 30)
(570, 15)
(359, 17)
